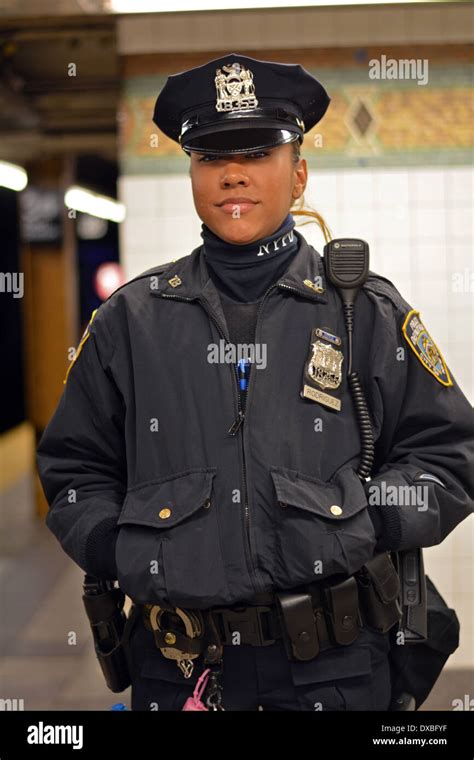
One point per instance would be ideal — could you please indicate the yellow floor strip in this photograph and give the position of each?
(17, 452)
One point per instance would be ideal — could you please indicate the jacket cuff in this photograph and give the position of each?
(99, 555)
(387, 526)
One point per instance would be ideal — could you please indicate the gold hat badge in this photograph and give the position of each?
(235, 88)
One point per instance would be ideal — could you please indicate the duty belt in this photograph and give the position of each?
(306, 626)
(255, 624)
(310, 619)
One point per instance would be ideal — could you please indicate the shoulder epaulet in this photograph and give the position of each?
(381, 286)
(148, 273)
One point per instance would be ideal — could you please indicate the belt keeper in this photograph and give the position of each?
(299, 623)
(213, 647)
(342, 605)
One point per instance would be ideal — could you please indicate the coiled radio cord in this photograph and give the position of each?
(367, 441)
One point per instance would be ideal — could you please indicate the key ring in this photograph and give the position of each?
(214, 689)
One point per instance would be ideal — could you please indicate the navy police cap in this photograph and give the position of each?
(237, 104)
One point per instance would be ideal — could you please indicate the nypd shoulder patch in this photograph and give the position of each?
(85, 335)
(424, 347)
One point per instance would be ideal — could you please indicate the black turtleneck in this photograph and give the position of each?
(243, 273)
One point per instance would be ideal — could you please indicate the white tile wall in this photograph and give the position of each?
(419, 225)
(418, 222)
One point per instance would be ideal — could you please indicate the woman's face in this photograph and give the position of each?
(243, 198)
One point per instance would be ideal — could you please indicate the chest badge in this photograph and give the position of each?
(323, 369)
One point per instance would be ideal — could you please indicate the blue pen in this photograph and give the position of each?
(243, 372)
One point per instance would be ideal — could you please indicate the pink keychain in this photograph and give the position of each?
(194, 702)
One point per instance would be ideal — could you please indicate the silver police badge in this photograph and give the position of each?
(235, 88)
(323, 369)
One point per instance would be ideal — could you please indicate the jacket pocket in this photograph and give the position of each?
(168, 548)
(322, 529)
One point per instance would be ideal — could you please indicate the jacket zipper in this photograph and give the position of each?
(236, 425)
(232, 431)
(238, 422)
(297, 290)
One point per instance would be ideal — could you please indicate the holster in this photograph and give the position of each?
(413, 595)
(415, 669)
(379, 589)
(104, 608)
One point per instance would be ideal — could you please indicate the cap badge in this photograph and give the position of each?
(235, 88)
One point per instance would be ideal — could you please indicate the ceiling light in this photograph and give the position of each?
(80, 199)
(12, 176)
(164, 6)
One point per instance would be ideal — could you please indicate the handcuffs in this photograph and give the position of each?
(186, 647)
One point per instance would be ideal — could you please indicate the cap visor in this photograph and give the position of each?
(243, 140)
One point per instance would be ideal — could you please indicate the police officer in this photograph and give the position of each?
(206, 449)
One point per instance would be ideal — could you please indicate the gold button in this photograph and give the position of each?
(165, 513)
(207, 504)
(335, 510)
(170, 638)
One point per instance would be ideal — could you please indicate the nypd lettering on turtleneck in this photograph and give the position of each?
(276, 245)
(244, 272)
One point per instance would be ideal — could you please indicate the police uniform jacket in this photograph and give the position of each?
(149, 441)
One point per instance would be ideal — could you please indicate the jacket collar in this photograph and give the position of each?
(188, 277)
